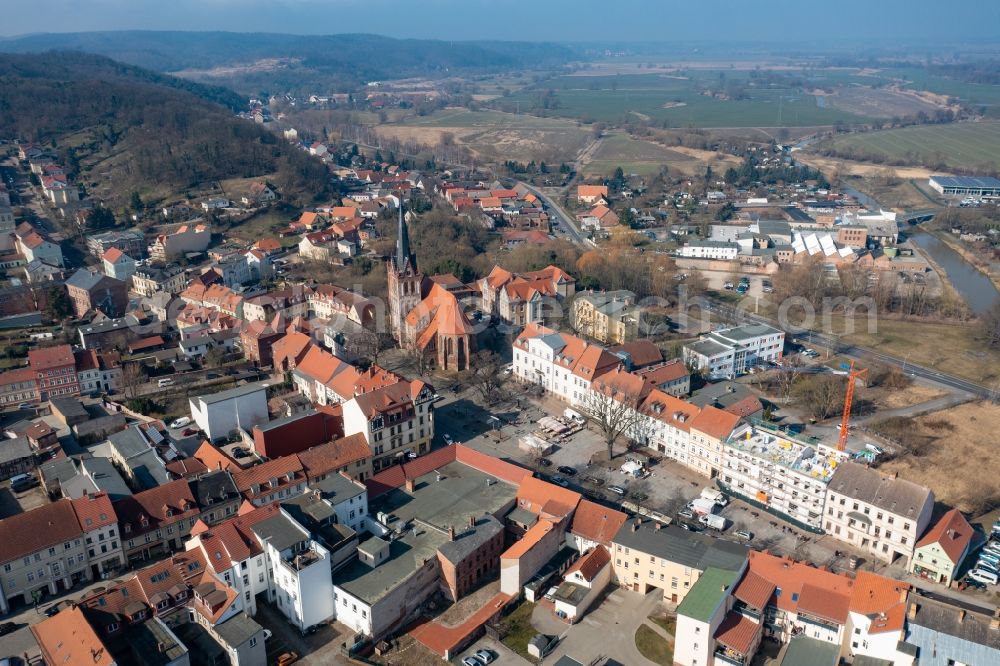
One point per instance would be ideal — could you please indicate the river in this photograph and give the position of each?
(972, 285)
(975, 288)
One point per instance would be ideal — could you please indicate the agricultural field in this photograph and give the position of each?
(633, 156)
(967, 146)
(496, 135)
(680, 100)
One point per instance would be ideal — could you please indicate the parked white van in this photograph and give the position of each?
(167, 381)
(983, 576)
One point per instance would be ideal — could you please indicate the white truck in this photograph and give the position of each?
(574, 416)
(714, 495)
(700, 506)
(713, 521)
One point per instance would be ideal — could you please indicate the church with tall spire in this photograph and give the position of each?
(405, 281)
(425, 313)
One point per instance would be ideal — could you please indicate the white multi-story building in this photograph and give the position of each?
(877, 513)
(239, 408)
(783, 474)
(394, 420)
(300, 571)
(718, 250)
(560, 363)
(732, 351)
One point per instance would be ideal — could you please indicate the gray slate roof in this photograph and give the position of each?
(897, 496)
(472, 538)
(690, 549)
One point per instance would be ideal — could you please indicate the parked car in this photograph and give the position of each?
(447, 439)
(640, 497)
(189, 431)
(240, 452)
(686, 513)
(545, 462)
(551, 592)
(560, 481)
(288, 658)
(267, 634)
(565, 469)
(181, 422)
(689, 527)
(486, 656)
(7, 628)
(745, 535)
(617, 490)
(984, 576)
(597, 481)
(411, 454)
(472, 660)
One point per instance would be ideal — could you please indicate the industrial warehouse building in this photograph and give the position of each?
(972, 185)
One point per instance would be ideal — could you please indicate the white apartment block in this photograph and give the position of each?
(717, 250)
(239, 408)
(783, 474)
(879, 514)
(560, 363)
(301, 579)
(733, 351)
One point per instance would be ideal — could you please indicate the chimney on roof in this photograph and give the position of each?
(635, 525)
(658, 526)
(410, 485)
(451, 533)
(961, 616)
(472, 521)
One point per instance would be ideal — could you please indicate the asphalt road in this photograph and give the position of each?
(861, 353)
(564, 219)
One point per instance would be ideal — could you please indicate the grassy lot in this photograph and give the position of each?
(679, 100)
(652, 646)
(948, 347)
(974, 93)
(519, 630)
(953, 453)
(667, 622)
(958, 145)
(633, 156)
(265, 225)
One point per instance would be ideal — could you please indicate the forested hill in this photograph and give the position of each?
(133, 128)
(278, 62)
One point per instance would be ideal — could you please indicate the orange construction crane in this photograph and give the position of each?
(852, 377)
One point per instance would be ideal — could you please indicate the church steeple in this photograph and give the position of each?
(403, 254)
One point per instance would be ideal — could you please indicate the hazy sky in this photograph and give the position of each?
(771, 21)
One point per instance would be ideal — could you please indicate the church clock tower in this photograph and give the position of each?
(405, 282)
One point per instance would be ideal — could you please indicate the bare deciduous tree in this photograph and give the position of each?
(369, 344)
(615, 413)
(133, 376)
(485, 375)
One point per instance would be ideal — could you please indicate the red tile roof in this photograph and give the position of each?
(215, 458)
(26, 533)
(829, 594)
(186, 467)
(881, 599)
(233, 540)
(590, 564)
(333, 456)
(714, 422)
(754, 590)
(738, 632)
(67, 639)
(51, 357)
(643, 353)
(596, 522)
(94, 511)
(529, 540)
(396, 476)
(953, 533)
(160, 506)
(260, 475)
(540, 496)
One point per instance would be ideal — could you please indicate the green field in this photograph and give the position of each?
(679, 100)
(967, 146)
(638, 157)
(973, 93)
(463, 118)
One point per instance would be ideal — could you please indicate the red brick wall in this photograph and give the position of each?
(295, 436)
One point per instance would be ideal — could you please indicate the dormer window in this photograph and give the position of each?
(144, 521)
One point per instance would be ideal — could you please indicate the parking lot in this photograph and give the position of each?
(666, 490)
